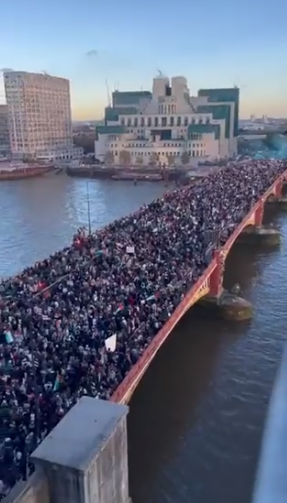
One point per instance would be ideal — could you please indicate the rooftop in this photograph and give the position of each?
(81, 434)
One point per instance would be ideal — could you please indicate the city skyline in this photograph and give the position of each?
(126, 46)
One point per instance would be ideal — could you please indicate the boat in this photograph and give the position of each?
(136, 177)
(20, 171)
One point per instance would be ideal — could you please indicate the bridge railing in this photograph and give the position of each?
(139, 368)
(271, 480)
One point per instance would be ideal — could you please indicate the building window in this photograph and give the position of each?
(129, 122)
(122, 122)
(200, 120)
(179, 121)
(207, 120)
(186, 121)
(149, 122)
(164, 121)
(193, 121)
(156, 121)
(142, 121)
(136, 122)
(171, 122)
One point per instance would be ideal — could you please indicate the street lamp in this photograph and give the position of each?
(89, 208)
(212, 241)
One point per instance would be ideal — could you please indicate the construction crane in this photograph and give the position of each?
(108, 93)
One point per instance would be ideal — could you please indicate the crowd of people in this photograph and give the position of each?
(75, 323)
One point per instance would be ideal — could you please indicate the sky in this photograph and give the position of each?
(213, 43)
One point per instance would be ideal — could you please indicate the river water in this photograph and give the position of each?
(196, 419)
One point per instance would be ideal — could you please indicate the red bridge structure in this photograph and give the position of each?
(210, 283)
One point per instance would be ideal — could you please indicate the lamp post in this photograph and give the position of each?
(37, 408)
(213, 242)
(89, 208)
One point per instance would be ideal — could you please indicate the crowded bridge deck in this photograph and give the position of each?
(89, 319)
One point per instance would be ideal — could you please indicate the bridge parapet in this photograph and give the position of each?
(271, 480)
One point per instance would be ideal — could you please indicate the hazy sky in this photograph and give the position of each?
(214, 43)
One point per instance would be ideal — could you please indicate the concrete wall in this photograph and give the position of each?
(35, 490)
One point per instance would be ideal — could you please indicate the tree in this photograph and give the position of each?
(109, 157)
(154, 159)
(170, 159)
(125, 157)
(185, 158)
(139, 160)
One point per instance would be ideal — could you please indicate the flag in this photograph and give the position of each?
(111, 343)
(57, 383)
(120, 308)
(153, 297)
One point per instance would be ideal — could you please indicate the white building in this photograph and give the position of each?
(168, 126)
(39, 115)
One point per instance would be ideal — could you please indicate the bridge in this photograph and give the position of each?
(209, 284)
(262, 131)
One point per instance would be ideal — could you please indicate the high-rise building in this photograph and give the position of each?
(4, 131)
(169, 125)
(39, 115)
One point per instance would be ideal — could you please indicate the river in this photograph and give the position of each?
(196, 420)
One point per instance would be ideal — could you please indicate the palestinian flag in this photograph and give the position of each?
(120, 308)
(153, 297)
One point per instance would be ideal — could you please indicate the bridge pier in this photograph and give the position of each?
(228, 306)
(221, 303)
(260, 235)
(277, 202)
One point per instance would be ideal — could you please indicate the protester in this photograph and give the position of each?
(75, 323)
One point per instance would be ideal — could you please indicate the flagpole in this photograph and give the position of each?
(89, 209)
(37, 411)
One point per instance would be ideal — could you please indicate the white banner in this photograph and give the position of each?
(130, 249)
(111, 343)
